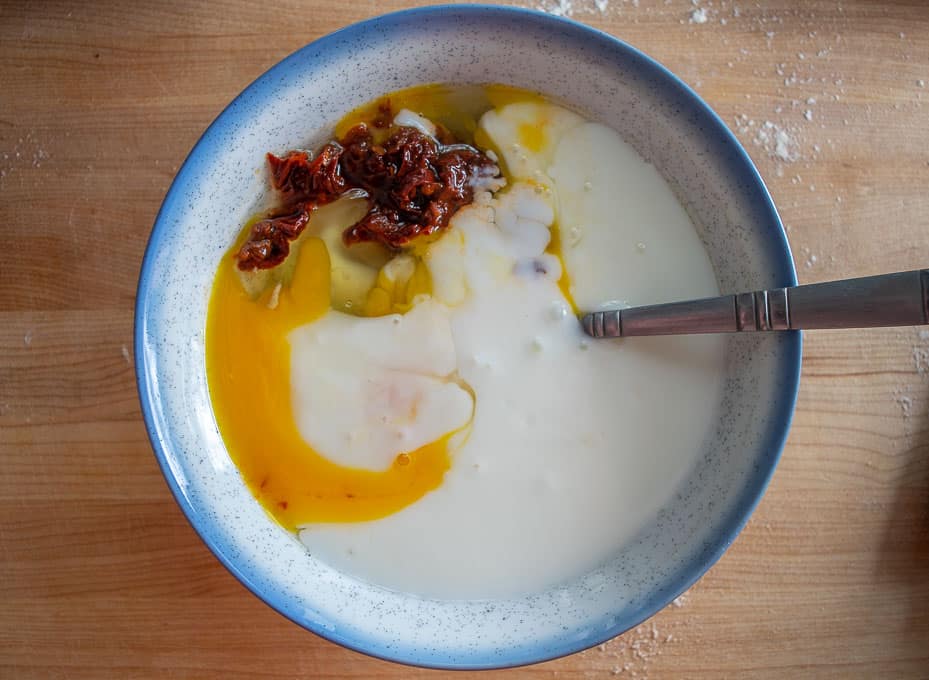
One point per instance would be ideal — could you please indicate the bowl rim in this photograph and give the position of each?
(780, 418)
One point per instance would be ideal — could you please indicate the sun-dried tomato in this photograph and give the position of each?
(269, 241)
(300, 179)
(414, 186)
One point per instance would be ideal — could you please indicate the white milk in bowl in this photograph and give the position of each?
(560, 449)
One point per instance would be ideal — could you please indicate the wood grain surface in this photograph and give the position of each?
(100, 574)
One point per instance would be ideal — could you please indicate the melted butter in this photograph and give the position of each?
(248, 369)
(564, 283)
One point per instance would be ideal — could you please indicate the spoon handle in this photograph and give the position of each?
(899, 299)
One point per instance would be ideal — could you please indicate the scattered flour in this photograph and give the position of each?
(698, 16)
(633, 652)
(558, 8)
(776, 141)
(125, 353)
(26, 152)
(921, 359)
(571, 8)
(905, 402)
(921, 352)
(811, 259)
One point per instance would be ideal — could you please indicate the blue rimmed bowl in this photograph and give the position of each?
(295, 104)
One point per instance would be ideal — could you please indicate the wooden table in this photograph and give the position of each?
(100, 574)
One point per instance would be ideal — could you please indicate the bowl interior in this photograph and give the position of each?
(295, 105)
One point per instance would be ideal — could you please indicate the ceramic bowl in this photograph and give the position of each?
(295, 104)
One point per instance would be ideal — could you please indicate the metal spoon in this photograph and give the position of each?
(900, 299)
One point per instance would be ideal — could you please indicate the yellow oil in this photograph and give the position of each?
(564, 283)
(458, 108)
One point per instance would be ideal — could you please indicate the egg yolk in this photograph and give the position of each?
(532, 135)
(248, 368)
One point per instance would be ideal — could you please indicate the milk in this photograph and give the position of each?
(574, 444)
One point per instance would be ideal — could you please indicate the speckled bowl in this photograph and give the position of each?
(295, 104)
